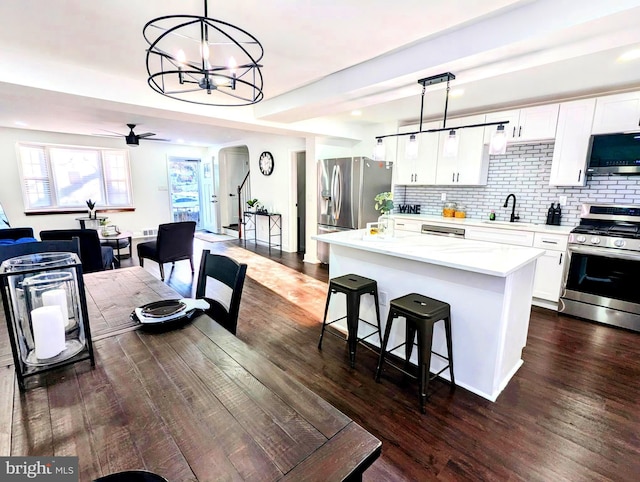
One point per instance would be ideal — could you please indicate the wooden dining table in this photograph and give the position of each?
(190, 403)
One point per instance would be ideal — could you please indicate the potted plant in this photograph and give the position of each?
(253, 204)
(104, 223)
(91, 205)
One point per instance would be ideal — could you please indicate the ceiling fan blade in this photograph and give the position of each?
(155, 139)
(107, 135)
(112, 132)
(146, 134)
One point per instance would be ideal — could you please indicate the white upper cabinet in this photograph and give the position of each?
(422, 169)
(526, 125)
(471, 164)
(568, 167)
(617, 113)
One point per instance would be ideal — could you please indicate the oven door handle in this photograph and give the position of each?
(605, 252)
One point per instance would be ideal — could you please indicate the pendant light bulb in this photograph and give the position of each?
(498, 144)
(411, 152)
(451, 144)
(379, 151)
(181, 57)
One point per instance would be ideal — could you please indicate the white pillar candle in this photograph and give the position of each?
(57, 297)
(48, 331)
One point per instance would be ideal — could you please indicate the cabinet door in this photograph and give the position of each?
(426, 164)
(525, 125)
(470, 165)
(511, 128)
(538, 123)
(568, 167)
(548, 278)
(617, 113)
(404, 169)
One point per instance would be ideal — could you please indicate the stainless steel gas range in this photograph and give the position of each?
(602, 274)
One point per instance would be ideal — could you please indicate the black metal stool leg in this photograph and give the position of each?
(353, 309)
(383, 347)
(375, 299)
(425, 340)
(410, 334)
(447, 329)
(324, 320)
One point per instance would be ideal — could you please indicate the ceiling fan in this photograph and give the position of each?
(133, 139)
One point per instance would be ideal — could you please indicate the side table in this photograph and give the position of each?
(275, 228)
(117, 241)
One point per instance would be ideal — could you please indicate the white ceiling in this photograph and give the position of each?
(79, 67)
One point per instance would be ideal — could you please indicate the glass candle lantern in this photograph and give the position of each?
(45, 306)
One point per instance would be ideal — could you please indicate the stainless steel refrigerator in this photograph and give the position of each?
(346, 190)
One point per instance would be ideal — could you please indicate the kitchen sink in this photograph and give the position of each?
(508, 223)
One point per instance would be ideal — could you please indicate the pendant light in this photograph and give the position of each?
(451, 143)
(498, 144)
(411, 150)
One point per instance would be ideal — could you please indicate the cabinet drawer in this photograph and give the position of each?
(555, 242)
(504, 236)
(412, 226)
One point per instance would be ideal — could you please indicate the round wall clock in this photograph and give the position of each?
(266, 163)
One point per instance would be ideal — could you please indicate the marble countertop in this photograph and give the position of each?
(477, 256)
(485, 223)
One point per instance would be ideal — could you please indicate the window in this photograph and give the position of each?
(59, 178)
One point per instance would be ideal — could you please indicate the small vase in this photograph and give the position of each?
(385, 225)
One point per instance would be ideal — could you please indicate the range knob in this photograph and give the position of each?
(619, 243)
(595, 240)
(581, 238)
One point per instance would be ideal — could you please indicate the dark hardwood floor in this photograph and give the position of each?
(570, 413)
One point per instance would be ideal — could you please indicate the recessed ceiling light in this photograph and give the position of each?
(180, 141)
(356, 112)
(456, 93)
(629, 55)
(20, 123)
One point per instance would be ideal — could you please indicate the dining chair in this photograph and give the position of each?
(132, 476)
(34, 247)
(7, 236)
(229, 281)
(173, 243)
(94, 257)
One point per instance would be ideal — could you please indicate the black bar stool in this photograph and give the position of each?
(421, 314)
(353, 286)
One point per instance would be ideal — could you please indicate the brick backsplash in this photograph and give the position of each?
(524, 171)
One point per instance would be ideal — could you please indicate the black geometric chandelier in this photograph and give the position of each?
(203, 61)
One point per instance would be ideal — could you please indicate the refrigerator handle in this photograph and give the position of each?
(333, 194)
(338, 193)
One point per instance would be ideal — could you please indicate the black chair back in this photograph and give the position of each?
(22, 249)
(175, 241)
(132, 476)
(232, 274)
(16, 233)
(90, 249)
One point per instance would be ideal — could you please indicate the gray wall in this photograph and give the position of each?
(524, 170)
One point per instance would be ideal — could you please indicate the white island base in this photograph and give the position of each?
(490, 298)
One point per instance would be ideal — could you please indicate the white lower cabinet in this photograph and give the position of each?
(549, 267)
(546, 284)
(548, 279)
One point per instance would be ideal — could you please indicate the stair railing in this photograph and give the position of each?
(244, 194)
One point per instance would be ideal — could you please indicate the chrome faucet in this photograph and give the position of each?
(513, 217)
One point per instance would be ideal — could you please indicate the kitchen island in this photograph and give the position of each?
(488, 286)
